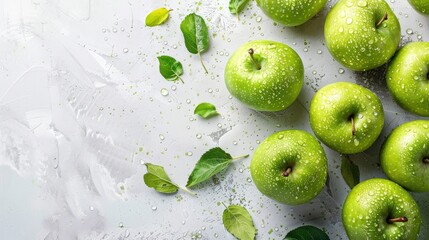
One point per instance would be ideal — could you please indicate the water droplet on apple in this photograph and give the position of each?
(362, 3)
(341, 29)
(349, 20)
(281, 136)
(356, 142)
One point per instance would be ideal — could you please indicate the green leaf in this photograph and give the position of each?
(196, 35)
(306, 233)
(349, 171)
(157, 17)
(236, 6)
(170, 68)
(157, 178)
(238, 222)
(210, 163)
(206, 110)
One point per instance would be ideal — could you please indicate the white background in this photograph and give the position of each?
(81, 110)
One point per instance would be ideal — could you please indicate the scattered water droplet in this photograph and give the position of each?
(125, 50)
(121, 225)
(198, 136)
(349, 20)
(240, 170)
(356, 142)
(341, 71)
(258, 19)
(188, 101)
(91, 208)
(174, 46)
(305, 49)
(154, 208)
(235, 143)
(161, 137)
(319, 51)
(164, 92)
(188, 154)
(409, 31)
(249, 179)
(210, 90)
(281, 136)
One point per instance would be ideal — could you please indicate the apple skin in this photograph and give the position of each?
(291, 12)
(272, 88)
(421, 6)
(407, 78)
(331, 110)
(290, 148)
(353, 38)
(371, 203)
(403, 153)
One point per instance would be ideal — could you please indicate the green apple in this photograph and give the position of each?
(346, 117)
(362, 34)
(290, 167)
(291, 12)
(408, 78)
(265, 75)
(420, 5)
(405, 155)
(380, 209)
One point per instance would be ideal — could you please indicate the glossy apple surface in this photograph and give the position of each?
(291, 12)
(380, 209)
(271, 80)
(408, 78)
(421, 6)
(405, 155)
(346, 117)
(290, 167)
(362, 34)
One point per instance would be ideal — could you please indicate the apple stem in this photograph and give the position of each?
(385, 17)
(399, 219)
(352, 119)
(287, 172)
(257, 65)
(426, 160)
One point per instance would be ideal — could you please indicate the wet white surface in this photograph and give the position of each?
(82, 106)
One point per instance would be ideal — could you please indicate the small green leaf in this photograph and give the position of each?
(157, 17)
(349, 171)
(210, 163)
(238, 222)
(170, 68)
(206, 110)
(157, 178)
(196, 35)
(236, 6)
(306, 233)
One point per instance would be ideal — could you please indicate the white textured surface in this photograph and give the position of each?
(81, 109)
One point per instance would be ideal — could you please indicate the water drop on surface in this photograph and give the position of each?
(258, 19)
(356, 142)
(188, 154)
(349, 20)
(161, 137)
(91, 208)
(121, 225)
(341, 71)
(173, 88)
(249, 179)
(125, 50)
(210, 90)
(198, 136)
(164, 92)
(154, 208)
(305, 49)
(319, 51)
(188, 101)
(409, 31)
(174, 46)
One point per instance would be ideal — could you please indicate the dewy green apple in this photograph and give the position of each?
(290, 167)
(380, 209)
(291, 12)
(404, 156)
(408, 78)
(265, 75)
(420, 5)
(362, 34)
(346, 117)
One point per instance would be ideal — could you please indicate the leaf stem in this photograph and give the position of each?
(240, 157)
(385, 17)
(188, 191)
(180, 79)
(202, 63)
(224, 205)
